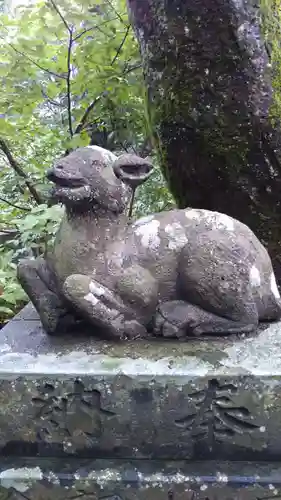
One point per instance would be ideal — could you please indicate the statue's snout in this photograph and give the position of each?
(60, 175)
(56, 173)
(49, 174)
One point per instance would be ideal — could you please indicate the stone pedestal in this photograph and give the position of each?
(95, 420)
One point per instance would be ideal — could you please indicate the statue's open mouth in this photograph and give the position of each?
(65, 182)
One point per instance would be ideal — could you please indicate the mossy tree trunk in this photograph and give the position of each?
(213, 98)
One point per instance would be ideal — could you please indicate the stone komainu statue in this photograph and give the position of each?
(176, 273)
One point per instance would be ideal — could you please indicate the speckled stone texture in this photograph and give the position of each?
(173, 274)
(44, 479)
(206, 401)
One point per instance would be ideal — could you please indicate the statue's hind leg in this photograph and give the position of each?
(102, 308)
(214, 281)
(180, 319)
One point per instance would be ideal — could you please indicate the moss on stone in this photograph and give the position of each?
(214, 104)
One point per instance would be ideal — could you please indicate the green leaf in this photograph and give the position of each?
(34, 104)
(6, 310)
(77, 141)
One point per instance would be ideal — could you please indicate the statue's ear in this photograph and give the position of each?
(132, 169)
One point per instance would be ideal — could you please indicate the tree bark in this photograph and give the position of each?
(212, 90)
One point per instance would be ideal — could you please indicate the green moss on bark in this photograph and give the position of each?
(214, 102)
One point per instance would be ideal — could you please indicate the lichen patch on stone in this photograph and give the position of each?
(143, 220)
(99, 364)
(53, 478)
(192, 214)
(255, 277)
(223, 221)
(90, 297)
(176, 234)
(258, 355)
(149, 234)
(105, 476)
(96, 289)
(215, 219)
(107, 156)
(20, 479)
(273, 286)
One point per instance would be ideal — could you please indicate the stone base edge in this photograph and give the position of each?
(114, 480)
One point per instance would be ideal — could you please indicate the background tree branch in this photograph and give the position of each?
(68, 83)
(61, 16)
(121, 45)
(96, 26)
(131, 68)
(51, 101)
(19, 171)
(57, 75)
(88, 110)
(91, 106)
(115, 11)
(14, 205)
(68, 77)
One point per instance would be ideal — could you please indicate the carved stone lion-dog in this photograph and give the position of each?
(175, 273)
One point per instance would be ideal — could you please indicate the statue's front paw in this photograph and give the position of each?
(164, 328)
(177, 318)
(58, 322)
(68, 323)
(134, 330)
(166, 323)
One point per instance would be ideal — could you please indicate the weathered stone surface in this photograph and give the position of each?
(95, 186)
(176, 273)
(138, 480)
(206, 399)
(214, 94)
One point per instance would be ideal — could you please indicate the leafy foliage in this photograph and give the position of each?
(11, 294)
(36, 233)
(153, 195)
(37, 229)
(70, 75)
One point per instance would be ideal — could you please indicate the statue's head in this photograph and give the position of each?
(93, 178)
